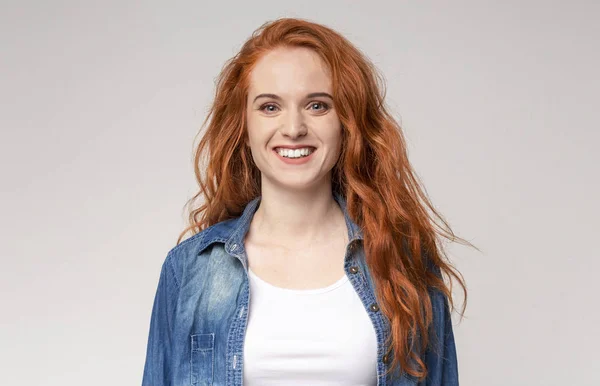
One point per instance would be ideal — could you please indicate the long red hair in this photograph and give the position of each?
(373, 173)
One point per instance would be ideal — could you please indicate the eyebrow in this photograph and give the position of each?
(277, 97)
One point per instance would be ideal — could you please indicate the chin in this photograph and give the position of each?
(295, 183)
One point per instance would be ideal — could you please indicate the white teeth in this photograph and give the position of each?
(294, 153)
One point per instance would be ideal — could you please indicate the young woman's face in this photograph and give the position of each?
(290, 106)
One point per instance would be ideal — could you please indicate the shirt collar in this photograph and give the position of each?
(232, 232)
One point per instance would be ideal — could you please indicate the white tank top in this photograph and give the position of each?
(312, 337)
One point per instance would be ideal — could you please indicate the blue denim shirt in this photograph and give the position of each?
(200, 311)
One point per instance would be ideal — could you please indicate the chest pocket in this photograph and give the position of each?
(202, 362)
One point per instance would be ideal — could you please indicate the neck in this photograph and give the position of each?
(297, 218)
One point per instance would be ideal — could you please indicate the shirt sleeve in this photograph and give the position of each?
(158, 363)
(440, 358)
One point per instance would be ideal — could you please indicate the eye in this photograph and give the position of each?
(317, 103)
(266, 105)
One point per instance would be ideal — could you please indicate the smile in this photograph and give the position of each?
(295, 156)
(294, 153)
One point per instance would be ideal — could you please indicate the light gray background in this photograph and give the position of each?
(100, 105)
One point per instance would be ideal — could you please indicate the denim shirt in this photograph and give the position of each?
(200, 311)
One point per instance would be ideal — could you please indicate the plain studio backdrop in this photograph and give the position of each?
(101, 102)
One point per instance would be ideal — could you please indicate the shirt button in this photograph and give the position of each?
(374, 307)
(386, 359)
(353, 269)
(234, 247)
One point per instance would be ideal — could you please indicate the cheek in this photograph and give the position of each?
(334, 137)
(338, 141)
(256, 138)
(253, 130)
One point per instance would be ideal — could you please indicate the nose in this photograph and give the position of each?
(294, 126)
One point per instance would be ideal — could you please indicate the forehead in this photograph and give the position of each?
(290, 70)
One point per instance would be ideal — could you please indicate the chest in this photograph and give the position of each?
(296, 336)
(219, 316)
(303, 267)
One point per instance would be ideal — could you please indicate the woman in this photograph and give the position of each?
(313, 260)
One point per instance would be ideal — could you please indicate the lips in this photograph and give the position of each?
(294, 147)
(295, 161)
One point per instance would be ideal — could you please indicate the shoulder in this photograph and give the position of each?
(194, 247)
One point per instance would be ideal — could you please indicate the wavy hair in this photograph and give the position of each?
(373, 174)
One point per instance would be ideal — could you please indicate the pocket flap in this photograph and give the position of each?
(203, 341)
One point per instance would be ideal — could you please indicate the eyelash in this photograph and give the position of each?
(312, 103)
